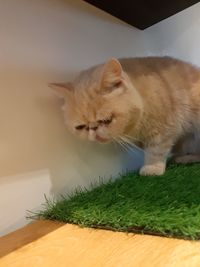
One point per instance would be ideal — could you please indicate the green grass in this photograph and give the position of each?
(168, 205)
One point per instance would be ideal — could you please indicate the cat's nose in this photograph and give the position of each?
(94, 128)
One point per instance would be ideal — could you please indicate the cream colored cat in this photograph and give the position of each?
(153, 102)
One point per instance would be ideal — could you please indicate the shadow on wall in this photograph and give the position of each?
(19, 193)
(33, 137)
(37, 154)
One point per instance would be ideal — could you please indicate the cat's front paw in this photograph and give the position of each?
(148, 170)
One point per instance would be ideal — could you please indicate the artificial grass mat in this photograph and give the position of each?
(168, 205)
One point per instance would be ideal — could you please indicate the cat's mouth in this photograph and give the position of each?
(101, 139)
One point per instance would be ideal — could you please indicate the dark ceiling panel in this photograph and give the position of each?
(142, 13)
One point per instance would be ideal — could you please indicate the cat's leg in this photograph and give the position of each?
(187, 150)
(155, 158)
(186, 159)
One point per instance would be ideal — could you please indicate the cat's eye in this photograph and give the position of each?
(117, 84)
(105, 121)
(108, 121)
(80, 127)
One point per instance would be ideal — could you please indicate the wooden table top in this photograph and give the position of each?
(52, 244)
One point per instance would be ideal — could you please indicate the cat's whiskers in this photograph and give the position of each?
(130, 144)
(128, 147)
(129, 140)
(132, 138)
(121, 144)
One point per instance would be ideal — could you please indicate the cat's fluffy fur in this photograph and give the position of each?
(153, 102)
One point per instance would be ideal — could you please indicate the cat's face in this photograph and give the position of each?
(98, 104)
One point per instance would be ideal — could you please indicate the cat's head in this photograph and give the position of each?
(101, 104)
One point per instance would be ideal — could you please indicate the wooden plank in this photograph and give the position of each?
(26, 235)
(49, 244)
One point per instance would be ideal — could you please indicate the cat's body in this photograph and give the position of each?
(153, 102)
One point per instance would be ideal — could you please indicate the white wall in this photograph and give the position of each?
(44, 41)
(178, 36)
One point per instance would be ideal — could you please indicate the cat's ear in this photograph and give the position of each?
(112, 75)
(61, 89)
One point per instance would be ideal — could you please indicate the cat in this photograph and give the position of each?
(150, 102)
